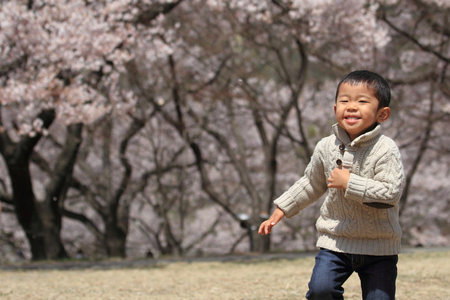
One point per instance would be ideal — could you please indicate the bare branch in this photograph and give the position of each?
(414, 40)
(85, 221)
(133, 129)
(420, 153)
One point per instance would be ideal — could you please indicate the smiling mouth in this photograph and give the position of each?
(351, 120)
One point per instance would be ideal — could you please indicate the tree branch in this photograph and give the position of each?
(134, 128)
(154, 10)
(421, 151)
(85, 221)
(414, 40)
(62, 172)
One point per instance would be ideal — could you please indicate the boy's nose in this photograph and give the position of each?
(352, 106)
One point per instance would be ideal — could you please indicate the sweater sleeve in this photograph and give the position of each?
(310, 187)
(385, 188)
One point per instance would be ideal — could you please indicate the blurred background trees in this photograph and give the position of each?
(146, 128)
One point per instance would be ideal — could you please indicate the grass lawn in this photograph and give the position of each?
(422, 275)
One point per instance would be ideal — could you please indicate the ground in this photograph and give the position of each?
(423, 274)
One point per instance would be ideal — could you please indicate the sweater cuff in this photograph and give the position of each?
(356, 188)
(287, 204)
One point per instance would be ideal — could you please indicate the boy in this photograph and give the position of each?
(362, 170)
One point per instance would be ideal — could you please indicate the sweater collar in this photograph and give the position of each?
(364, 139)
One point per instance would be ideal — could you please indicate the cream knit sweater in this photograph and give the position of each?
(362, 219)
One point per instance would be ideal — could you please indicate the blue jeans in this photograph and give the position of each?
(332, 269)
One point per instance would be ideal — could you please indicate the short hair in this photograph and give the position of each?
(372, 80)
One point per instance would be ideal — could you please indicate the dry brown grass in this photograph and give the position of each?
(422, 275)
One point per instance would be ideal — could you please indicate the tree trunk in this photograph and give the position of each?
(116, 229)
(115, 239)
(40, 220)
(17, 157)
(261, 243)
(51, 209)
(25, 208)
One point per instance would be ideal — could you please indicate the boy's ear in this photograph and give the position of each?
(383, 114)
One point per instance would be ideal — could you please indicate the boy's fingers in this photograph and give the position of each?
(270, 224)
(263, 228)
(266, 227)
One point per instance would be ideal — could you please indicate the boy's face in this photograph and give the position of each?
(357, 110)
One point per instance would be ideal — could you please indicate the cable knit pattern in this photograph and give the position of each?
(363, 219)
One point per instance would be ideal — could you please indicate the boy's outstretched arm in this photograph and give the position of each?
(266, 226)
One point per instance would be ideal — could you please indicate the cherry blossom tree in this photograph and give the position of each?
(284, 51)
(238, 103)
(190, 117)
(61, 61)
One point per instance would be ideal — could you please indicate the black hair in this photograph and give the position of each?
(371, 80)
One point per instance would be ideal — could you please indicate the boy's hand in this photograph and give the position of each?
(266, 226)
(339, 178)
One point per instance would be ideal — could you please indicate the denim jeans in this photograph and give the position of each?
(332, 269)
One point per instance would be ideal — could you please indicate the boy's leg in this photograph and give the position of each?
(378, 275)
(330, 272)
